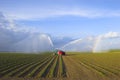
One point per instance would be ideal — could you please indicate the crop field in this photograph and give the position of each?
(72, 66)
(94, 66)
(31, 66)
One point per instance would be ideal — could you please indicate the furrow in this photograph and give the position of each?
(53, 68)
(27, 72)
(46, 68)
(38, 69)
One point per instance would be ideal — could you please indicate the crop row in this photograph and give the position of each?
(100, 64)
(35, 66)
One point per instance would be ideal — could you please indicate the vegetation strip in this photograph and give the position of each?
(46, 69)
(62, 67)
(28, 71)
(53, 68)
(38, 69)
(102, 70)
(20, 69)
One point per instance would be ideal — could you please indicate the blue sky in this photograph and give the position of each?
(75, 18)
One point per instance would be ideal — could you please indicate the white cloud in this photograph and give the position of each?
(43, 13)
(112, 35)
(105, 42)
(9, 24)
(14, 37)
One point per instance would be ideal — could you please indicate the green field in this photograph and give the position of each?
(72, 66)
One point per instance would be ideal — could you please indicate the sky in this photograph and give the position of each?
(72, 18)
(64, 24)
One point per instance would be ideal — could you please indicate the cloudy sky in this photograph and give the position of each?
(69, 24)
(76, 18)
